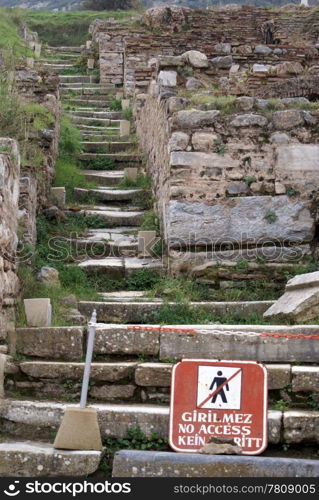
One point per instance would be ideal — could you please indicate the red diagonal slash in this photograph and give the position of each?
(219, 388)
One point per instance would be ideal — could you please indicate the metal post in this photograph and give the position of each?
(88, 361)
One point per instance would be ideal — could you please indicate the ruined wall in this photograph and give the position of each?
(125, 51)
(237, 177)
(9, 196)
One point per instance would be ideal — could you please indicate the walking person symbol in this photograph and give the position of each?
(220, 380)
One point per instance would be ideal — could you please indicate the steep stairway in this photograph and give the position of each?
(133, 357)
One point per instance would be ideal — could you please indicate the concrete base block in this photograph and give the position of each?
(58, 196)
(79, 430)
(38, 312)
(125, 103)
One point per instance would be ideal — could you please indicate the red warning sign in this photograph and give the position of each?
(218, 399)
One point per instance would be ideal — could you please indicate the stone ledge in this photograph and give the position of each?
(30, 459)
(163, 464)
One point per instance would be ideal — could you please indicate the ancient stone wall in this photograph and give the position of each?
(9, 212)
(125, 51)
(242, 177)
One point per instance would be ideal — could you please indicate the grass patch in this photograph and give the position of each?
(102, 163)
(151, 222)
(225, 104)
(72, 26)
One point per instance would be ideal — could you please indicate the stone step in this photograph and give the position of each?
(96, 115)
(103, 194)
(98, 122)
(89, 135)
(125, 158)
(116, 218)
(56, 67)
(64, 49)
(133, 312)
(92, 86)
(129, 463)
(107, 147)
(104, 177)
(70, 60)
(108, 243)
(82, 90)
(77, 79)
(94, 103)
(40, 419)
(107, 132)
(36, 459)
(170, 342)
(133, 380)
(119, 268)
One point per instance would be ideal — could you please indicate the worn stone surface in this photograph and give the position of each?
(193, 84)
(154, 374)
(167, 78)
(179, 141)
(231, 220)
(195, 118)
(221, 446)
(30, 459)
(55, 342)
(288, 119)
(298, 159)
(301, 426)
(279, 376)
(204, 141)
(222, 62)
(106, 372)
(113, 392)
(249, 120)
(300, 300)
(305, 378)
(164, 464)
(125, 340)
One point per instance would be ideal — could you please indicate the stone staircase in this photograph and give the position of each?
(131, 373)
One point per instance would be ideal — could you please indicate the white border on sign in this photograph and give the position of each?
(265, 405)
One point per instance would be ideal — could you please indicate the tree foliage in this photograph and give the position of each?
(110, 4)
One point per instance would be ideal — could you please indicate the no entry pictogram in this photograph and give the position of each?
(220, 399)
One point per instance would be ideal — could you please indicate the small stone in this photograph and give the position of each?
(305, 378)
(249, 120)
(176, 104)
(195, 118)
(237, 188)
(221, 446)
(280, 188)
(51, 212)
(178, 141)
(234, 69)
(245, 103)
(222, 48)
(288, 119)
(196, 59)
(263, 50)
(49, 276)
(289, 68)
(222, 62)
(261, 68)
(279, 138)
(75, 317)
(204, 141)
(193, 84)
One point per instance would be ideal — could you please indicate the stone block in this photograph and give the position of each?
(126, 340)
(91, 63)
(230, 219)
(206, 161)
(288, 119)
(305, 378)
(300, 300)
(204, 141)
(126, 103)
(55, 342)
(261, 68)
(26, 459)
(222, 62)
(131, 173)
(178, 141)
(113, 392)
(279, 376)
(301, 426)
(263, 50)
(167, 78)
(194, 118)
(274, 426)
(38, 312)
(125, 128)
(154, 374)
(249, 120)
(298, 158)
(131, 464)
